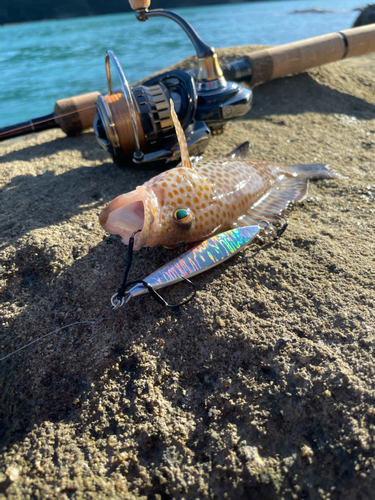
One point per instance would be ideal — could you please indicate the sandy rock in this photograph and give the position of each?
(261, 387)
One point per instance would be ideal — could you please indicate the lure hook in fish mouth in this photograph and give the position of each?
(231, 242)
(118, 299)
(202, 257)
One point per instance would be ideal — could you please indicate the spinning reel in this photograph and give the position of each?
(134, 123)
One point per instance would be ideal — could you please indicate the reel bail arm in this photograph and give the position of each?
(208, 65)
(110, 56)
(135, 125)
(219, 100)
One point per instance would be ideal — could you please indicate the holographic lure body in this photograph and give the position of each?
(204, 256)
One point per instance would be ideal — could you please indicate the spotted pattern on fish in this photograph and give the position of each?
(219, 194)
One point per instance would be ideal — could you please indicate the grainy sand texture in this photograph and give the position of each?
(262, 387)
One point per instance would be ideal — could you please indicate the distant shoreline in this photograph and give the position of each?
(15, 11)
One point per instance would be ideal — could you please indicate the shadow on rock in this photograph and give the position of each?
(43, 381)
(48, 199)
(85, 143)
(186, 386)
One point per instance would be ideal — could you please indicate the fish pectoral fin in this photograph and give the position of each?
(277, 200)
(185, 158)
(240, 151)
(314, 171)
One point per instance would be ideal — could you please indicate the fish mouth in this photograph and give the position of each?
(129, 213)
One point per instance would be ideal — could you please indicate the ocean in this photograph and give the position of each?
(45, 61)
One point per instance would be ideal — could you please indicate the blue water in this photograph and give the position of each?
(45, 61)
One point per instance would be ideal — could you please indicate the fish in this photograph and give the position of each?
(194, 201)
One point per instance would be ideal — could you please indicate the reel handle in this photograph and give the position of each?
(209, 74)
(139, 4)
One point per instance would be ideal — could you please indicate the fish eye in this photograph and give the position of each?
(183, 218)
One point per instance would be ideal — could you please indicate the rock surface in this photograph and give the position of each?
(367, 16)
(262, 387)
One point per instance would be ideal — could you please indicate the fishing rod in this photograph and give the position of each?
(134, 123)
(73, 115)
(283, 60)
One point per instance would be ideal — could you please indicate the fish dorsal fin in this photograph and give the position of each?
(240, 151)
(185, 159)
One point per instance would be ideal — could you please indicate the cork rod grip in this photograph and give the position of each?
(295, 57)
(77, 113)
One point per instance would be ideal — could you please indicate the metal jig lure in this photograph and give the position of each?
(202, 257)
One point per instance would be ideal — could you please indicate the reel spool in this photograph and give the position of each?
(136, 124)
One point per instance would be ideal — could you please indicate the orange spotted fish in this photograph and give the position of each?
(195, 201)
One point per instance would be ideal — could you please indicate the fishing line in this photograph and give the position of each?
(116, 301)
(101, 318)
(208, 254)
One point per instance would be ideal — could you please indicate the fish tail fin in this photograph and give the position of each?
(185, 159)
(314, 171)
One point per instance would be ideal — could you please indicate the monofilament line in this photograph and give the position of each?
(93, 323)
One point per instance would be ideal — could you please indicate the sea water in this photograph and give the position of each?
(45, 61)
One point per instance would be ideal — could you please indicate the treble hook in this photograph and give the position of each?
(155, 295)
